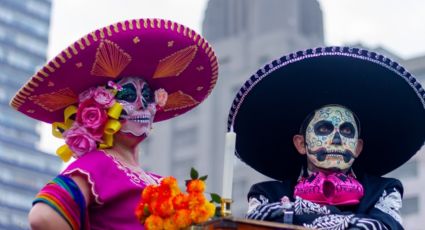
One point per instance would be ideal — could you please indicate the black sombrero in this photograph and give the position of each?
(272, 104)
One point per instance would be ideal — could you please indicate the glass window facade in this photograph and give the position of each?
(12, 77)
(24, 21)
(18, 119)
(410, 205)
(12, 218)
(185, 136)
(407, 171)
(13, 154)
(24, 26)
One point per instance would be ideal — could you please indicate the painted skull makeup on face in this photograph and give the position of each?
(139, 106)
(332, 138)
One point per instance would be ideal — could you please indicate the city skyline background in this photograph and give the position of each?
(245, 35)
(372, 23)
(379, 23)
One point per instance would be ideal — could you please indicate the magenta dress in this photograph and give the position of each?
(116, 190)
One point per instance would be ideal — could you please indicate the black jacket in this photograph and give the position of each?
(375, 205)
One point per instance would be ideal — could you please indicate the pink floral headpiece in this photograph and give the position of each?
(93, 123)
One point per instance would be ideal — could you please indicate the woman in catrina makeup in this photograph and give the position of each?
(102, 95)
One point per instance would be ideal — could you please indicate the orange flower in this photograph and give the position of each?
(164, 190)
(169, 224)
(149, 193)
(154, 222)
(164, 207)
(196, 199)
(171, 182)
(182, 218)
(195, 186)
(199, 214)
(181, 201)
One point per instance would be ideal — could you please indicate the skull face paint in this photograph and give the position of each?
(332, 138)
(139, 106)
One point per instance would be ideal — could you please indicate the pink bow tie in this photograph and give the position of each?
(333, 189)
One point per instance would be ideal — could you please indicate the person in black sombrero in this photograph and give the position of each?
(327, 123)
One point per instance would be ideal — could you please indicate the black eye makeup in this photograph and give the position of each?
(128, 93)
(323, 128)
(147, 93)
(347, 130)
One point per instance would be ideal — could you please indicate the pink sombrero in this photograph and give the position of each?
(166, 54)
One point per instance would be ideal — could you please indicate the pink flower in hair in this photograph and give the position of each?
(85, 95)
(161, 97)
(103, 97)
(92, 116)
(79, 140)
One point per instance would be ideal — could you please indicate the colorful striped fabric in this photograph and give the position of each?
(64, 196)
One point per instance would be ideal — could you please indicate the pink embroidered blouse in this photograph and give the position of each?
(115, 187)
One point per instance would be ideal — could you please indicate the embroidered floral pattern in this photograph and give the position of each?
(302, 206)
(391, 204)
(110, 60)
(254, 203)
(139, 177)
(55, 100)
(330, 222)
(176, 63)
(179, 100)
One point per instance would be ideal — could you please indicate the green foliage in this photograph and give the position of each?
(194, 174)
(215, 198)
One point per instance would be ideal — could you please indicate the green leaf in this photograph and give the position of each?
(216, 198)
(194, 174)
(146, 210)
(203, 178)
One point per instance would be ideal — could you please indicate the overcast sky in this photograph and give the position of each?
(397, 25)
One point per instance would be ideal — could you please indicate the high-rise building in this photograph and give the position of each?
(24, 27)
(245, 34)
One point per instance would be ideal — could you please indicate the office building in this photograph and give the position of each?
(24, 27)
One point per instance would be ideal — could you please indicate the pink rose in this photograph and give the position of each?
(87, 94)
(79, 140)
(104, 97)
(91, 115)
(161, 97)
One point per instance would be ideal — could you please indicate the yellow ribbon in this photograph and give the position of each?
(64, 153)
(112, 126)
(59, 127)
(115, 111)
(68, 112)
(108, 141)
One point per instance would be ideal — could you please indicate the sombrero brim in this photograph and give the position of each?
(166, 54)
(272, 104)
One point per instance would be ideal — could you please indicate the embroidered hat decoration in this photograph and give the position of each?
(164, 53)
(388, 100)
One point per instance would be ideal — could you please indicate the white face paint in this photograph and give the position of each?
(139, 106)
(332, 138)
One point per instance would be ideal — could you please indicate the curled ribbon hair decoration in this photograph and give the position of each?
(93, 124)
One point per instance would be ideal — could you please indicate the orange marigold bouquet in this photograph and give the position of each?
(165, 206)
